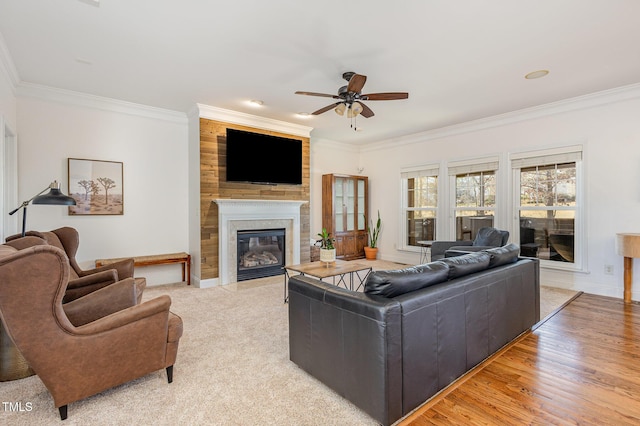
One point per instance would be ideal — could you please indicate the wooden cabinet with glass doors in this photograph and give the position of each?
(344, 213)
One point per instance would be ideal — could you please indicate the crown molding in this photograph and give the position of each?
(334, 145)
(243, 119)
(597, 99)
(70, 97)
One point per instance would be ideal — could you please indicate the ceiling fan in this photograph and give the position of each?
(350, 97)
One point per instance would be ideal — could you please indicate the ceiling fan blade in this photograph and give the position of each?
(325, 109)
(366, 111)
(324, 95)
(390, 96)
(356, 83)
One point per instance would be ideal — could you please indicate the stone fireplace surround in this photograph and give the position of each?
(238, 215)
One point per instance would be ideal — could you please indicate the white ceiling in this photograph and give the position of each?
(459, 60)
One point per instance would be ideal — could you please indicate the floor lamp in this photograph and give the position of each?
(54, 197)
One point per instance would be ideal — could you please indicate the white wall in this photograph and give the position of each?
(153, 147)
(8, 142)
(328, 157)
(606, 125)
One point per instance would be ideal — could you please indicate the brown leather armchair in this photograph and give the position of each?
(81, 281)
(77, 361)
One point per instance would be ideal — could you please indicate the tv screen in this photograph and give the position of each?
(258, 158)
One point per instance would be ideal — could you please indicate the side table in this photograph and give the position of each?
(338, 270)
(425, 250)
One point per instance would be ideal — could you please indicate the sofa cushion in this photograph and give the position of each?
(399, 281)
(503, 255)
(466, 264)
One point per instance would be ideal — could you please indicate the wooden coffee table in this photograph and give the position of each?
(338, 271)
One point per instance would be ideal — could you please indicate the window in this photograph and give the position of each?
(475, 196)
(549, 203)
(420, 205)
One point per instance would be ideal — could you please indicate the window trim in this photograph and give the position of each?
(567, 154)
(475, 165)
(426, 170)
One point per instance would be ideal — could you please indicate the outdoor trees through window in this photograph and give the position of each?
(548, 211)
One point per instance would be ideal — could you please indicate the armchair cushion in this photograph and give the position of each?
(396, 282)
(105, 301)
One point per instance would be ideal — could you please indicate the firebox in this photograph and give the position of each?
(260, 253)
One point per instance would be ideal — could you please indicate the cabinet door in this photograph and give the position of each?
(349, 242)
(339, 204)
(362, 242)
(340, 246)
(350, 203)
(361, 206)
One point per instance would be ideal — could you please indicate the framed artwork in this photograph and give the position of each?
(96, 186)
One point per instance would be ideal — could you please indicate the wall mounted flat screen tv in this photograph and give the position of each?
(257, 158)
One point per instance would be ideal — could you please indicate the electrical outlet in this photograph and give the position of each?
(608, 269)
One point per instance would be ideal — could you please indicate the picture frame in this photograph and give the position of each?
(97, 187)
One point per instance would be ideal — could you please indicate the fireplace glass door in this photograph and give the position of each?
(260, 253)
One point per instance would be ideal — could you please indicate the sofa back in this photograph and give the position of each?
(457, 324)
(388, 355)
(349, 341)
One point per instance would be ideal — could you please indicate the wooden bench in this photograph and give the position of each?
(158, 259)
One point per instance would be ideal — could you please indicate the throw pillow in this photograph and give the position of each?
(466, 264)
(399, 281)
(503, 255)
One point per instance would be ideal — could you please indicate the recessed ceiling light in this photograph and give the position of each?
(536, 74)
(303, 115)
(256, 103)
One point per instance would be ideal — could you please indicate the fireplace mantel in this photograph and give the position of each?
(241, 214)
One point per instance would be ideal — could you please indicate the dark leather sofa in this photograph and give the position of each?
(414, 331)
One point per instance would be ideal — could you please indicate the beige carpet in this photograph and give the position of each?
(232, 369)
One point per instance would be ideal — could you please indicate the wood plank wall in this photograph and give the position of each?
(213, 185)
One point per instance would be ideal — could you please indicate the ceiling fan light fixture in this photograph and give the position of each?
(340, 109)
(354, 110)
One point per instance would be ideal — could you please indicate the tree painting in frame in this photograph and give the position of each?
(96, 186)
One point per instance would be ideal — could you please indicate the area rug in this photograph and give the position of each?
(233, 368)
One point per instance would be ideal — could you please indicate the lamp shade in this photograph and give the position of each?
(354, 110)
(54, 197)
(340, 109)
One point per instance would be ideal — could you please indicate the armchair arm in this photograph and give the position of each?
(124, 268)
(106, 301)
(471, 248)
(439, 247)
(84, 285)
(159, 305)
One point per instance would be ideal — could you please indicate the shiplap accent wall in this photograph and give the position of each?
(213, 185)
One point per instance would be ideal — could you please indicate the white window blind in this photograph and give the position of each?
(460, 167)
(542, 158)
(417, 172)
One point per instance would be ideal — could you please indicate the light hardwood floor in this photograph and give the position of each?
(581, 366)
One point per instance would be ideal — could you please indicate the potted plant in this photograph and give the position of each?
(371, 251)
(327, 249)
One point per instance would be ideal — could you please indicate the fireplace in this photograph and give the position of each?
(236, 214)
(261, 253)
